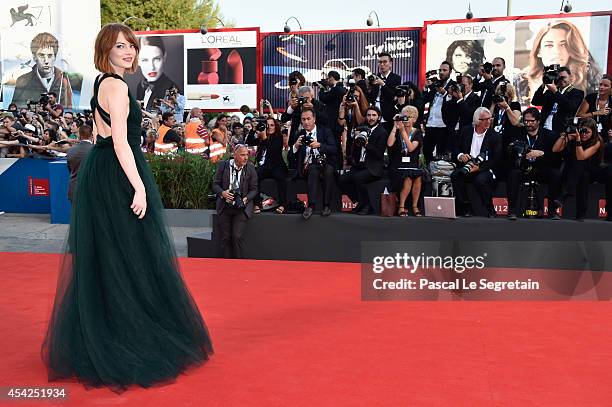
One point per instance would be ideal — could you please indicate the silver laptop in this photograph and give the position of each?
(439, 207)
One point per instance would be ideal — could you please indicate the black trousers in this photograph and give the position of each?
(547, 175)
(484, 183)
(323, 178)
(233, 223)
(435, 137)
(578, 175)
(280, 176)
(354, 183)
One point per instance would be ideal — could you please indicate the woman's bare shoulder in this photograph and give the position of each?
(114, 86)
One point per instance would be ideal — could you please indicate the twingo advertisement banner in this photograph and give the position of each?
(314, 54)
(527, 44)
(216, 71)
(48, 46)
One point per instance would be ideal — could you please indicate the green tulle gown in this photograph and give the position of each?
(122, 313)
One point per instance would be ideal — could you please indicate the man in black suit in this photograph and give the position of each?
(560, 101)
(236, 174)
(545, 164)
(438, 123)
(314, 143)
(486, 82)
(305, 100)
(382, 89)
(332, 95)
(481, 149)
(368, 162)
(460, 108)
(76, 154)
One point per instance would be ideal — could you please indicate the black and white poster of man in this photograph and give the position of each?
(45, 47)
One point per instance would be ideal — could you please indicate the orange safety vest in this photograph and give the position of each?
(161, 147)
(194, 144)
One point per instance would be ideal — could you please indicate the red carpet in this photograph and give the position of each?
(296, 334)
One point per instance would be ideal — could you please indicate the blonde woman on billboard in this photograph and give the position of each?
(560, 42)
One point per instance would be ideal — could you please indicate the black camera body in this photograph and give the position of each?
(350, 94)
(570, 125)
(320, 161)
(458, 87)
(551, 74)
(434, 78)
(237, 202)
(487, 67)
(402, 91)
(472, 162)
(293, 81)
(44, 99)
(307, 139)
(261, 124)
(400, 118)
(301, 100)
(500, 95)
(517, 151)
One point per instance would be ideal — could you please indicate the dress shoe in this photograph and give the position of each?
(326, 211)
(467, 214)
(307, 213)
(512, 216)
(367, 210)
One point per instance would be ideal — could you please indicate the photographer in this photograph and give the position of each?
(478, 154)
(296, 81)
(466, 101)
(436, 128)
(235, 185)
(351, 115)
(269, 159)
(405, 143)
(583, 150)
(359, 76)
(332, 94)
(315, 153)
(303, 100)
(262, 105)
(598, 106)
(173, 102)
(538, 162)
(168, 140)
(408, 94)
(506, 119)
(491, 74)
(367, 158)
(558, 98)
(382, 88)
(52, 108)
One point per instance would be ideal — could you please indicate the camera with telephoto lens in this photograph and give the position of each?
(361, 135)
(471, 163)
(551, 74)
(570, 125)
(237, 202)
(434, 78)
(350, 94)
(487, 67)
(261, 124)
(372, 79)
(44, 99)
(458, 87)
(517, 151)
(402, 91)
(500, 95)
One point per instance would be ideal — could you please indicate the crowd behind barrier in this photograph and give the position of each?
(353, 132)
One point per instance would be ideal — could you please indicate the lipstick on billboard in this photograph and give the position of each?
(202, 96)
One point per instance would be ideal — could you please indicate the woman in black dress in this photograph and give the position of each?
(122, 313)
(405, 143)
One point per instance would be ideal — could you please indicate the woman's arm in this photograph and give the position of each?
(560, 144)
(582, 154)
(582, 110)
(359, 117)
(115, 94)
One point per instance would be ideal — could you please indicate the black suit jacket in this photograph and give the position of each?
(328, 147)
(332, 99)
(74, 157)
(248, 185)
(486, 87)
(375, 151)
(467, 107)
(387, 95)
(544, 142)
(491, 146)
(158, 90)
(273, 146)
(296, 117)
(567, 105)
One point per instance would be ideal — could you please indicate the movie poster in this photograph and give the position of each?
(315, 54)
(47, 46)
(527, 45)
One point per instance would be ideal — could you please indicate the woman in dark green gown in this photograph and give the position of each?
(122, 313)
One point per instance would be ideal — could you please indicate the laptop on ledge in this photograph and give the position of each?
(438, 207)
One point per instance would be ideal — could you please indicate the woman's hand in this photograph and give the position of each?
(139, 204)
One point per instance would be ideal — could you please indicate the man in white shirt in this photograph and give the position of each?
(478, 154)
